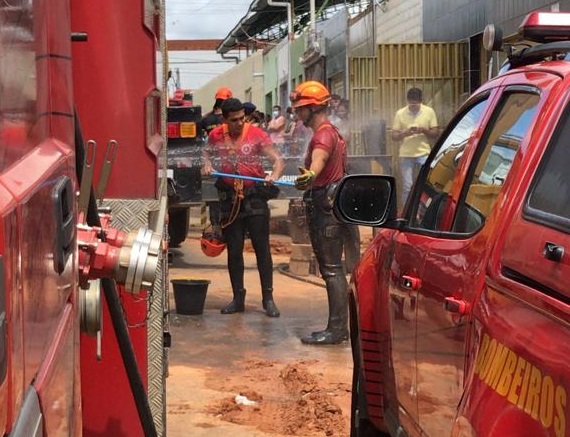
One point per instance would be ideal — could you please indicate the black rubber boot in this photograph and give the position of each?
(325, 337)
(337, 327)
(269, 306)
(237, 305)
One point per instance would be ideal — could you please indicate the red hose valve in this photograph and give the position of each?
(130, 259)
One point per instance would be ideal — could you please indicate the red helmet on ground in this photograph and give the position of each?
(224, 93)
(212, 244)
(310, 92)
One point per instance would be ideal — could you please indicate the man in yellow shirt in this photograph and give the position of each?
(414, 125)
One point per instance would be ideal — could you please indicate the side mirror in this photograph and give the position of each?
(492, 38)
(366, 200)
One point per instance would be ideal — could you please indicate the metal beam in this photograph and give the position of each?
(193, 44)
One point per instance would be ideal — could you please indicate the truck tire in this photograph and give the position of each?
(178, 225)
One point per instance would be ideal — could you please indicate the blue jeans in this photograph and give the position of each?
(408, 168)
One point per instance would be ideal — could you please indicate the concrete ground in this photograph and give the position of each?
(215, 357)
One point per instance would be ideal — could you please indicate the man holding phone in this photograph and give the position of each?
(414, 125)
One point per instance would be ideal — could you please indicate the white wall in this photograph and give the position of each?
(240, 78)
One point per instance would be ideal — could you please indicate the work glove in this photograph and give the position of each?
(305, 180)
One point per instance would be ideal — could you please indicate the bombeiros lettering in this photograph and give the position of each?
(534, 392)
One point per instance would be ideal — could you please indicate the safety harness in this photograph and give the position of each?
(233, 147)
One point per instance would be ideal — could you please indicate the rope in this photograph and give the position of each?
(238, 187)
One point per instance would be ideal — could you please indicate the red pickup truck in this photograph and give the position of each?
(460, 307)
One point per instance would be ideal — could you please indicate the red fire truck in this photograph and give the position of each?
(82, 219)
(184, 160)
(460, 307)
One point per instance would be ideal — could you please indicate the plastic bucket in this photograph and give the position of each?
(190, 295)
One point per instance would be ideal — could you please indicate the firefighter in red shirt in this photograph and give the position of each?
(239, 146)
(325, 165)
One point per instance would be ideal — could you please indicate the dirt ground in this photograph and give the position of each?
(286, 399)
(247, 374)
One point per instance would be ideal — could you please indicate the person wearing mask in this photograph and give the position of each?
(414, 125)
(239, 146)
(325, 165)
(210, 121)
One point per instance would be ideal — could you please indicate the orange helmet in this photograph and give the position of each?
(224, 93)
(310, 92)
(212, 244)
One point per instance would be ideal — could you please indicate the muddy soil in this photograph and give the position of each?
(289, 399)
(247, 374)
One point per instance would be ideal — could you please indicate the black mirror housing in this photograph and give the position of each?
(368, 200)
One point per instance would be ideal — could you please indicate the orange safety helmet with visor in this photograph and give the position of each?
(308, 93)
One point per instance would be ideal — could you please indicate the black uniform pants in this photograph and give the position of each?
(327, 238)
(252, 219)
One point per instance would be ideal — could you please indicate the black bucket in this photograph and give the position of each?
(190, 295)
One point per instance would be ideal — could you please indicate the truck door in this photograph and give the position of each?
(452, 203)
(432, 208)
(454, 259)
(527, 292)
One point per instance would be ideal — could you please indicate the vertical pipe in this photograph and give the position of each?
(313, 16)
(286, 5)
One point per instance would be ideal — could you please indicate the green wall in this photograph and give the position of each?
(270, 79)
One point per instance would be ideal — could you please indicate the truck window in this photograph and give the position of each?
(432, 206)
(509, 125)
(548, 201)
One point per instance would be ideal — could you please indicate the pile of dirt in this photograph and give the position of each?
(289, 400)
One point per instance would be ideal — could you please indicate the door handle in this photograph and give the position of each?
(411, 283)
(456, 306)
(553, 252)
(63, 200)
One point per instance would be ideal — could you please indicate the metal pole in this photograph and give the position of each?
(286, 5)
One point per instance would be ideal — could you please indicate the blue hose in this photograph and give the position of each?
(250, 178)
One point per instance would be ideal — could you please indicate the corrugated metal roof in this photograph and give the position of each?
(255, 26)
